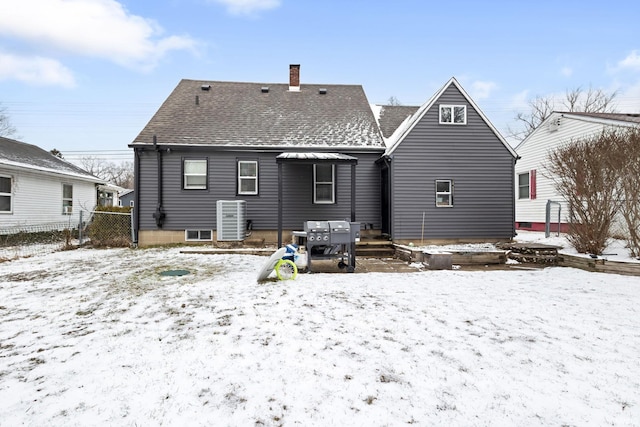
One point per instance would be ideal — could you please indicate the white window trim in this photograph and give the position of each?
(449, 193)
(247, 177)
(453, 107)
(184, 174)
(67, 209)
(332, 183)
(9, 194)
(199, 238)
(528, 186)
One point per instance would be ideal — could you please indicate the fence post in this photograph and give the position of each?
(133, 232)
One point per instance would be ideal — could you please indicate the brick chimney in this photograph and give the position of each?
(294, 77)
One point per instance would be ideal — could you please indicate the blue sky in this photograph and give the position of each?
(85, 76)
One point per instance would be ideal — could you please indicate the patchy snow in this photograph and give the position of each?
(99, 337)
(616, 251)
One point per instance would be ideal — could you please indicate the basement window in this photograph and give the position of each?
(198, 235)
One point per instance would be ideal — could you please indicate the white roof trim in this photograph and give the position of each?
(18, 165)
(399, 136)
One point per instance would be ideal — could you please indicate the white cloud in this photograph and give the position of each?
(35, 70)
(482, 90)
(632, 61)
(98, 28)
(566, 71)
(248, 7)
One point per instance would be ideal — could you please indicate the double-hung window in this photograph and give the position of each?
(5, 194)
(324, 183)
(247, 177)
(195, 174)
(67, 199)
(444, 193)
(453, 114)
(523, 185)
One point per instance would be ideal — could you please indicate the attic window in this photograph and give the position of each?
(264, 89)
(322, 91)
(205, 87)
(453, 114)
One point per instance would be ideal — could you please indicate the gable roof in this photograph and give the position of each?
(403, 130)
(605, 119)
(236, 114)
(18, 154)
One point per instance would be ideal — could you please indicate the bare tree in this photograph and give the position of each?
(393, 101)
(590, 100)
(6, 128)
(120, 174)
(630, 187)
(586, 173)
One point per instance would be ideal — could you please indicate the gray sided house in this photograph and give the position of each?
(447, 173)
(282, 153)
(278, 155)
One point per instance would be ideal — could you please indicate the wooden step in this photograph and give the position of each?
(375, 250)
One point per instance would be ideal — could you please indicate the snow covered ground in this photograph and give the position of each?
(99, 337)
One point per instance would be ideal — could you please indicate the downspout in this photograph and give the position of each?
(159, 214)
(387, 161)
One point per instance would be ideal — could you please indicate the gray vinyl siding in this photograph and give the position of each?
(470, 155)
(196, 209)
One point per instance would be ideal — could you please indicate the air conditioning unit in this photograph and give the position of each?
(67, 210)
(231, 220)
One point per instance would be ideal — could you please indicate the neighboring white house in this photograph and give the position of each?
(109, 194)
(37, 187)
(534, 187)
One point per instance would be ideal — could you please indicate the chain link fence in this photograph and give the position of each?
(110, 228)
(98, 228)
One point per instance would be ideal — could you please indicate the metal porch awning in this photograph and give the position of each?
(310, 158)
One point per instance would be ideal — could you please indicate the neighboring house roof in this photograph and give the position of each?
(18, 154)
(606, 119)
(621, 117)
(261, 115)
(390, 117)
(406, 127)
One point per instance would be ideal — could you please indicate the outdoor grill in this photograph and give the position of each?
(332, 239)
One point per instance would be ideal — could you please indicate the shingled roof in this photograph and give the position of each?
(214, 113)
(19, 154)
(622, 117)
(392, 116)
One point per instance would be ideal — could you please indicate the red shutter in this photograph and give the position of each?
(532, 184)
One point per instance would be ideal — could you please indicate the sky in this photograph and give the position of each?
(85, 76)
(120, 344)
